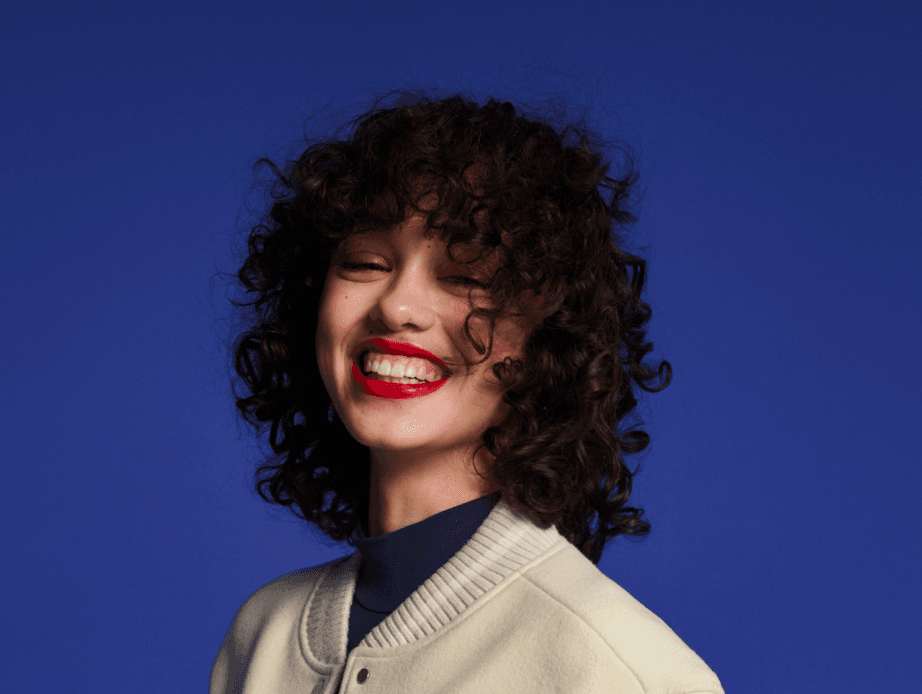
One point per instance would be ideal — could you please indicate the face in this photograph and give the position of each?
(415, 295)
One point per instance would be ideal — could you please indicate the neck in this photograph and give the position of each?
(405, 490)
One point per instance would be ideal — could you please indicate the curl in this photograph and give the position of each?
(484, 175)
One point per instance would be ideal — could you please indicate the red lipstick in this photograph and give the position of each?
(398, 391)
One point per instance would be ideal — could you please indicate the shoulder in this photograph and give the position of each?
(280, 600)
(626, 630)
(268, 616)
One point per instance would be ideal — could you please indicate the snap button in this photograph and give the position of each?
(363, 675)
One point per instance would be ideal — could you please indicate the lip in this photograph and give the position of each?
(404, 349)
(397, 391)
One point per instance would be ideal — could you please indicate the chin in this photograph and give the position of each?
(398, 436)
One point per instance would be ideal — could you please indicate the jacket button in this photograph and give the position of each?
(363, 675)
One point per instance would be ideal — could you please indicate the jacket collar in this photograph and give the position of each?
(503, 545)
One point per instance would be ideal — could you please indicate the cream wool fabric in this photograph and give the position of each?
(517, 610)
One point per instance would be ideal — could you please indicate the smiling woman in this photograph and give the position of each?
(446, 342)
(410, 294)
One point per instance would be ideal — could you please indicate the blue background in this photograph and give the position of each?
(779, 148)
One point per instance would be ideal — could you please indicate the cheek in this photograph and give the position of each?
(330, 327)
(510, 336)
(508, 341)
(334, 310)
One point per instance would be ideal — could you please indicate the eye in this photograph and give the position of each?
(362, 266)
(455, 279)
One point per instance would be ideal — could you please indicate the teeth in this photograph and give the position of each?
(391, 379)
(400, 369)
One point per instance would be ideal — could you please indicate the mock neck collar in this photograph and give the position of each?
(503, 545)
(397, 563)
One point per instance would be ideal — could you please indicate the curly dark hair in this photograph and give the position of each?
(541, 198)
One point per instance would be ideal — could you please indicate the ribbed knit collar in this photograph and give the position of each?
(503, 543)
(395, 564)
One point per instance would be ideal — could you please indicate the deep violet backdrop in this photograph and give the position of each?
(779, 147)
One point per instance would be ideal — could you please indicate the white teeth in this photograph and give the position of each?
(401, 369)
(391, 379)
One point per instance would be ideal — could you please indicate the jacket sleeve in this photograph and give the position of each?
(220, 682)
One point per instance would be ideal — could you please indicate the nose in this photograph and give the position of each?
(407, 300)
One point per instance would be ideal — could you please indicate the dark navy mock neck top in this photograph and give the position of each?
(396, 564)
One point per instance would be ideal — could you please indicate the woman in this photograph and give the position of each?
(445, 345)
